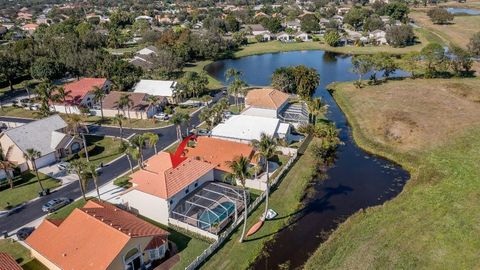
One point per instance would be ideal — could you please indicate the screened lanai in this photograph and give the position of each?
(211, 207)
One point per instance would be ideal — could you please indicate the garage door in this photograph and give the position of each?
(46, 160)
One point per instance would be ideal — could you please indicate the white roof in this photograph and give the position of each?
(246, 127)
(155, 87)
(283, 128)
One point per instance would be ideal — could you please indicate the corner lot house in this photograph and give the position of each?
(158, 88)
(140, 108)
(245, 128)
(98, 236)
(162, 183)
(80, 93)
(46, 135)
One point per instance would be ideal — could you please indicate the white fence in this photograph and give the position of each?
(191, 228)
(225, 234)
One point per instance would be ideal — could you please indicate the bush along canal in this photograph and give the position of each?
(356, 179)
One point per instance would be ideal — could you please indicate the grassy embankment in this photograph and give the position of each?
(431, 127)
(20, 254)
(285, 200)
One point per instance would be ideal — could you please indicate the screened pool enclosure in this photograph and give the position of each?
(211, 207)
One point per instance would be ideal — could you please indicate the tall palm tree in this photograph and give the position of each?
(98, 96)
(79, 167)
(236, 85)
(265, 149)
(31, 155)
(62, 95)
(178, 119)
(153, 101)
(92, 172)
(125, 102)
(138, 141)
(152, 139)
(128, 150)
(206, 116)
(44, 92)
(75, 125)
(240, 171)
(118, 120)
(7, 167)
(315, 108)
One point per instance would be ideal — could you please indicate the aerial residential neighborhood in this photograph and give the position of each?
(307, 134)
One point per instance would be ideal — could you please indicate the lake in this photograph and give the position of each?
(356, 181)
(467, 11)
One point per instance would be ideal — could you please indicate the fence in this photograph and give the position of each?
(224, 235)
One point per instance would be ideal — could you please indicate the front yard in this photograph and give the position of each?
(100, 150)
(20, 254)
(26, 188)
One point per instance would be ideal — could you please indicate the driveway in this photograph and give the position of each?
(54, 172)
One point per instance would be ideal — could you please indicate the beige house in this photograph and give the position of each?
(47, 135)
(139, 107)
(98, 236)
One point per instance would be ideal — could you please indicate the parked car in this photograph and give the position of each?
(24, 232)
(25, 102)
(55, 204)
(203, 132)
(161, 116)
(62, 166)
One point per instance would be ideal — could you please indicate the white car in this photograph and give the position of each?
(63, 165)
(161, 116)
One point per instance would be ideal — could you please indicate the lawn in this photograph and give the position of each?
(198, 67)
(433, 223)
(100, 150)
(127, 123)
(19, 112)
(20, 254)
(26, 188)
(458, 33)
(285, 200)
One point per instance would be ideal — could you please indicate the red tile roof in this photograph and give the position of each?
(8, 263)
(218, 151)
(160, 179)
(79, 89)
(90, 237)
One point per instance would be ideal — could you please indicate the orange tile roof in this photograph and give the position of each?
(160, 179)
(8, 263)
(218, 151)
(266, 98)
(90, 237)
(79, 89)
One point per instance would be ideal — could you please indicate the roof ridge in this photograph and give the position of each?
(83, 211)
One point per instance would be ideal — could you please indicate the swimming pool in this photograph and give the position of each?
(215, 215)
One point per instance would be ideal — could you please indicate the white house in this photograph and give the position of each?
(379, 36)
(303, 37)
(283, 36)
(295, 24)
(159, 88)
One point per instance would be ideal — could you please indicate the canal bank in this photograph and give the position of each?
(356, 181)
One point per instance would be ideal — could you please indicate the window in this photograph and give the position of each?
(171, 201)
(196, 185)
(186, 191)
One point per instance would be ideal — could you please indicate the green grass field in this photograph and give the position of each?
(432, 224)
(100, 150)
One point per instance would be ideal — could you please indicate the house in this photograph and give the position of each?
(8, 263)
(265, 102)
(163, 183)
(145, 58)
(295, 24)
(284, 37)
(245, 128)
(167, 89)
(98, 236)
(255, 29)
(29, 27)
(303, 37)
(378, 36)
(139, 108)
(260, 15)
(267, 36)
(143, 17)
(338, 18)
(47, 135)
(80, 94)
(218, 152)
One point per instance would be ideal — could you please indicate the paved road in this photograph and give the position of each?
(32, 210)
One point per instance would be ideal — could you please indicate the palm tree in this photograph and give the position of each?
(128, 150)
(206, 116)
(138, 141)
(78, 167)
(265, 149)
(98, 96)
(153, 101)
(62, 95)
(178, 119)
(92, 172)
(240, 171)
(125, 102)
(44, 92)
(75, 125)
(7, 167)
(31, 155)
(152, 139)
(315, 108)
(118, 120)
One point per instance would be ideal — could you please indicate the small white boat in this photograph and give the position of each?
(270, 214)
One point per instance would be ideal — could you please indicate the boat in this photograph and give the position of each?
(270, 214)
(254, 228)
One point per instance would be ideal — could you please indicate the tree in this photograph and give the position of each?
(130, 152)
(11, 68)
(152, 140)
(356, 17)
(460, 61)
(118, 120)
(125, 102)
(7, 167)
(272, 24)
(395, 10)
(373, 22)
(98, 96)
(44, 68)
(138, 141)
(310, 23)
(306, 80)
(361, 65)
(178, 119)
(31, 155)
(91, 170)
(410, 63)
(194, 83)
(315, 108)
(240, 172)
(62, 95)
(153, 101)
(231, 24)
(79, 167)
(434, 56)
(206, 116)
(400, 35)
(44, 91)
(122, 73)
(76, 126)
(265, 149)
(284, 80)
(332, 38)
(474, 44)
(383, 62)
(236, 83)
(440, 15)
